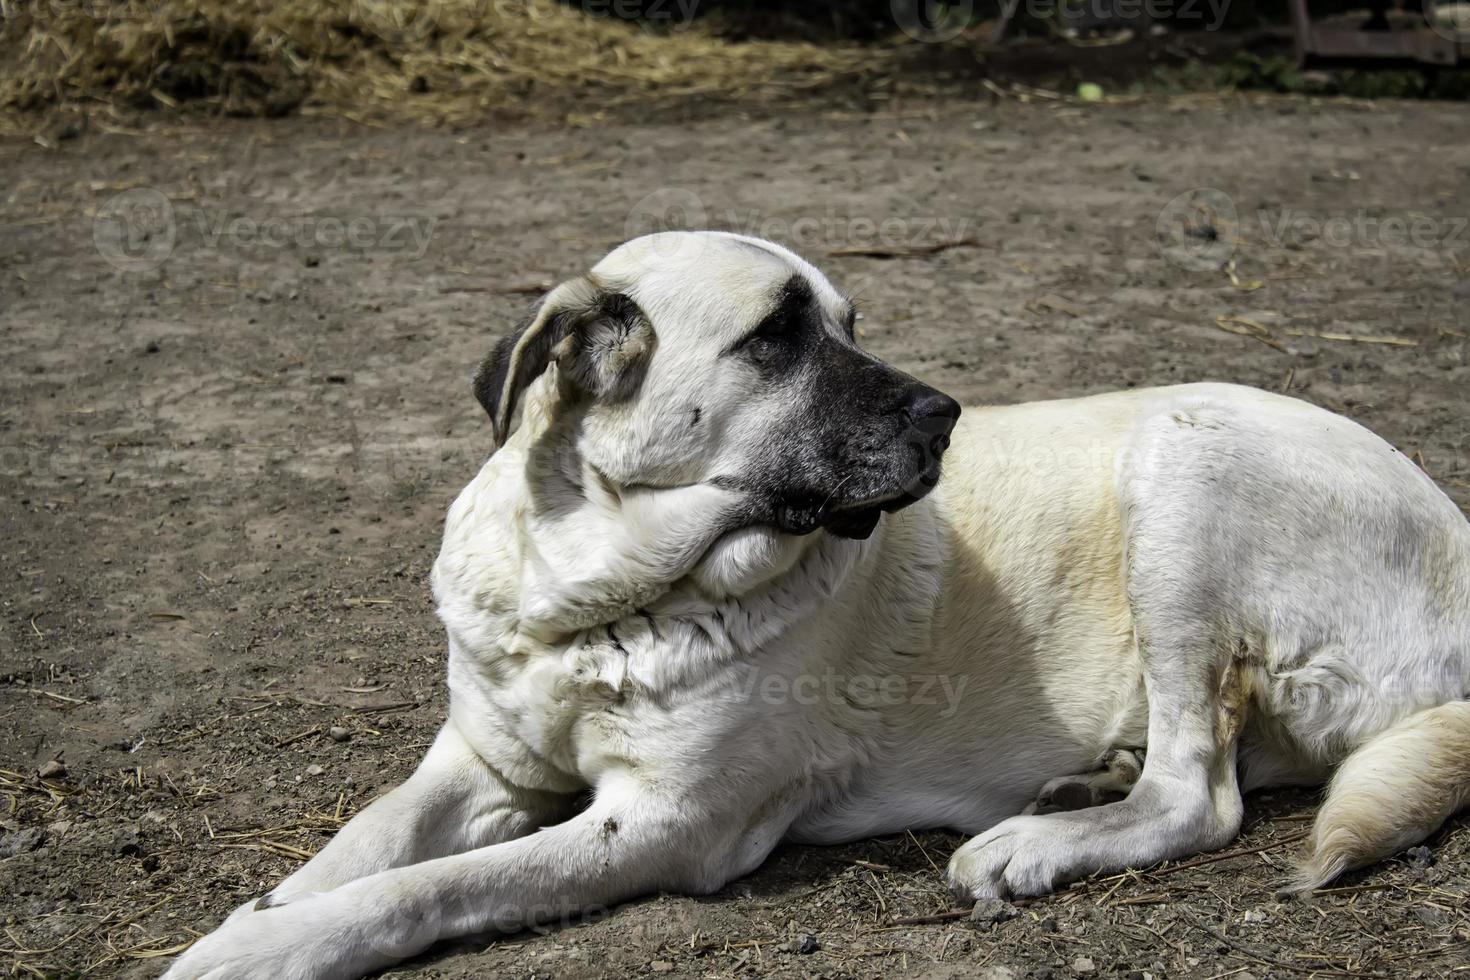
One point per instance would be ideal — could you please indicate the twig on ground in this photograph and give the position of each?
(902, 251)
(1242, 327)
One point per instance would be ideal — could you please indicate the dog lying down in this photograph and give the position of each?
(713, 584)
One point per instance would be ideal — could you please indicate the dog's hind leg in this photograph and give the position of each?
(1120, 771)
(453, 802)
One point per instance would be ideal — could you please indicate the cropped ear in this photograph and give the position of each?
(599, 339)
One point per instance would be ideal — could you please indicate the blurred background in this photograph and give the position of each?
(461, 61)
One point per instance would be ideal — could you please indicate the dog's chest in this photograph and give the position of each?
(613, 697)
(797, 678)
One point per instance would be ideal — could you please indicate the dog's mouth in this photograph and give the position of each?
(856, 519)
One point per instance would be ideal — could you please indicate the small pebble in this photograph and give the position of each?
(55, 769)
(807, 945)
(660, 966)
(1420, 857)
(1433, 918)
(993, 911)
(338, 734)
(314, 770)
(22, 841)
(1083, 964)
(127, 842)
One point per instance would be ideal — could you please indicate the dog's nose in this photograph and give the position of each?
(933, 415)
(934, 408)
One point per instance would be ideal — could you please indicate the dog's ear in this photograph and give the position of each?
(599, 339)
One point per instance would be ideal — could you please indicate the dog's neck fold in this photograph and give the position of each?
(566, 551)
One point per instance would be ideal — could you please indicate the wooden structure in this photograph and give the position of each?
(1418, 40)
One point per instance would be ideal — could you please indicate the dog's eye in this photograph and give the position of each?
(765, 350)
(770, 341)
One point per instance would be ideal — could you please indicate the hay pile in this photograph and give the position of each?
(434, 60)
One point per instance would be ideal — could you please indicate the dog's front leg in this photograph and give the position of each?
(629, 842)
(454, 802)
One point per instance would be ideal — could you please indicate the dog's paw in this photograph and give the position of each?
(1019, 858)
(236, 949)
(270, 900)
(312, 938)
(335, 935)
(1120, 772)
(1027, 856)
(256, 945)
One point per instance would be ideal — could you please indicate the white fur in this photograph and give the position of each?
(1391, 794)
(1251, 587)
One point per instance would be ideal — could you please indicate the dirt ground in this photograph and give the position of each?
(228, 446)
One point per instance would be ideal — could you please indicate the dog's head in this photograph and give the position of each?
(708, 358)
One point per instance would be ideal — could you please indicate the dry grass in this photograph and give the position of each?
(437, 61)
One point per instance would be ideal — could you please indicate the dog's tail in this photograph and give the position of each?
(1393, 791)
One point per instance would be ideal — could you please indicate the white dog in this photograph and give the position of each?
(682, 629)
